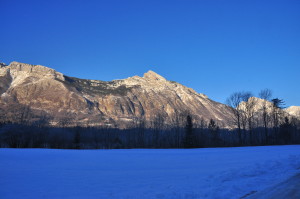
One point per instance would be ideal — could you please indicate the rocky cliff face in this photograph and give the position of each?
(92, 102)
(294, 111)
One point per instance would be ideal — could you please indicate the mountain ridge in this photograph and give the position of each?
(120, 103)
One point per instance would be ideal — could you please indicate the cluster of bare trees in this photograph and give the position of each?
(251, 113)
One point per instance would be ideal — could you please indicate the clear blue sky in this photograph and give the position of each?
(214, 47)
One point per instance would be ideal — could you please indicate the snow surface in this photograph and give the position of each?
(288, 189)
(145, 173)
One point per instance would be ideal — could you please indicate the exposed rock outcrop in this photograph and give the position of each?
(294, 111)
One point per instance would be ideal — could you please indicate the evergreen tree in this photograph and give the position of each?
(189, 137)
(214, 131)
(286, 131)
(278, 105)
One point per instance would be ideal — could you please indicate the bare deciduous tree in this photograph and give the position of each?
(234, 101)
(157, 125)
(266, 95)
(178, 120)
(249, 110)
(243, 108)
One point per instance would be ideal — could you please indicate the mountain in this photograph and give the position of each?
(294, 111)
(118, 103)
(35, 93)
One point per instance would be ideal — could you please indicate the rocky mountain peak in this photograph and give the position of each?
(18, 68)
(30, 68)
(293, 110)
(151, 75)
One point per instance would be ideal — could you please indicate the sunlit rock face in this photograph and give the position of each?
(117, 103)
(294, 111)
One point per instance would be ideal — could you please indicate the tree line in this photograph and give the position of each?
(257, 122)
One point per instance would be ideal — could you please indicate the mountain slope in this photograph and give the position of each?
(92, 102)
(293, 110)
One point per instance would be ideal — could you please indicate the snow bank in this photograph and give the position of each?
(145, 173)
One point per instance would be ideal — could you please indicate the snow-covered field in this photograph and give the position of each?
(145, 173)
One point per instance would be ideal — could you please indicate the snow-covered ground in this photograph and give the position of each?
(288, 189)
(145, 173)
